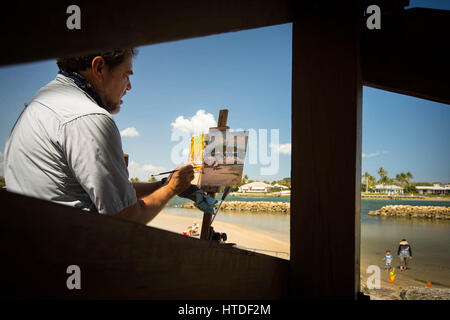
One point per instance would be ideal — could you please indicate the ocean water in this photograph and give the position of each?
(429, 239)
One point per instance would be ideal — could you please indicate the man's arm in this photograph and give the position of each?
(144, 189)
(93, 151)
(146, 208)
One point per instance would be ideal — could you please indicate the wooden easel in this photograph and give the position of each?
(126, 157)
(211, 191)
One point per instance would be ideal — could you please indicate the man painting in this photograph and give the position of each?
(66, 148)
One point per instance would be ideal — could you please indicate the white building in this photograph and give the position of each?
(435, 189)
(280, 186)
(256, 187)
(389, 189)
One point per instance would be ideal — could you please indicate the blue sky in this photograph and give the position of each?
(249, 73)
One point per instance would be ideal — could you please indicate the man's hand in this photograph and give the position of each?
(180, 180)
(145, 209)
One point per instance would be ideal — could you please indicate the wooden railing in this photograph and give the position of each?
(119, 259)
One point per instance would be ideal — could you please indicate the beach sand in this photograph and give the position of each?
(405, 287)
(243, 237)
(404, 280)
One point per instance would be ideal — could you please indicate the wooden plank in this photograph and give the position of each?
(206, 223)
(410, 59)
(326, 153)
(121, 259)
(126, 157)
(409, 55)
(37, 30)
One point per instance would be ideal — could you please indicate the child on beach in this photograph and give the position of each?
(388, 259)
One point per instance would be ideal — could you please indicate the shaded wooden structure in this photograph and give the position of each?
(334, 55)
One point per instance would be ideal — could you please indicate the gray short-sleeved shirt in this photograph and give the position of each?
(67, 149)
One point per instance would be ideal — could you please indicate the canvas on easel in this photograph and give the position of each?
(218, 158)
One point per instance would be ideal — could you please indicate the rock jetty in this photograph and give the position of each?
(256, 206)
(427, 212)
(408, 293)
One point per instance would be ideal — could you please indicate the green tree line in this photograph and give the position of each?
(402, 179)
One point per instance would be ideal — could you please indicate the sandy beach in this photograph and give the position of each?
(402, 279)
(243, 237)
(404, 287)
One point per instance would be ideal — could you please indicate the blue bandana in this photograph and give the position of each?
(84, 85)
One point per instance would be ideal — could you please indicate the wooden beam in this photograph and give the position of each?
(326, 153)
(34, 31)
(409, 55)
(121, 259)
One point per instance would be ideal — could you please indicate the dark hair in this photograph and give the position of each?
(81, 63)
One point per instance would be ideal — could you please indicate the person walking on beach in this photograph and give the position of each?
(404, 252)
(388, 259)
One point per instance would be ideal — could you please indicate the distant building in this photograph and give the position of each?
(389, 189)
(435, 189)
(280, 186)
(256, 187)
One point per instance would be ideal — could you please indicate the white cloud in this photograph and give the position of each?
(282, 148)
(199, 123)
(373, 154)
(145, 171)
(370, 155)
(285, 148)
(129, 132)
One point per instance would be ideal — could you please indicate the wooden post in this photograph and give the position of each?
(221, 126)
(326, 153)
(126, 157)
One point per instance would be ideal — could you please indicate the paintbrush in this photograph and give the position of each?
(161, 173)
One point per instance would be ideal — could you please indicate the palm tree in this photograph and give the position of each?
(408, 176)
(401, 178)
(383, 175)
(369, 178)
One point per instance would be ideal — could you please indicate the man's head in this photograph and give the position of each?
(107, 72)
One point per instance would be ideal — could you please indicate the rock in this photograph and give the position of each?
(254, 206)
(408, 293)
(425, 293)
(385, 293)
(428, 212)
